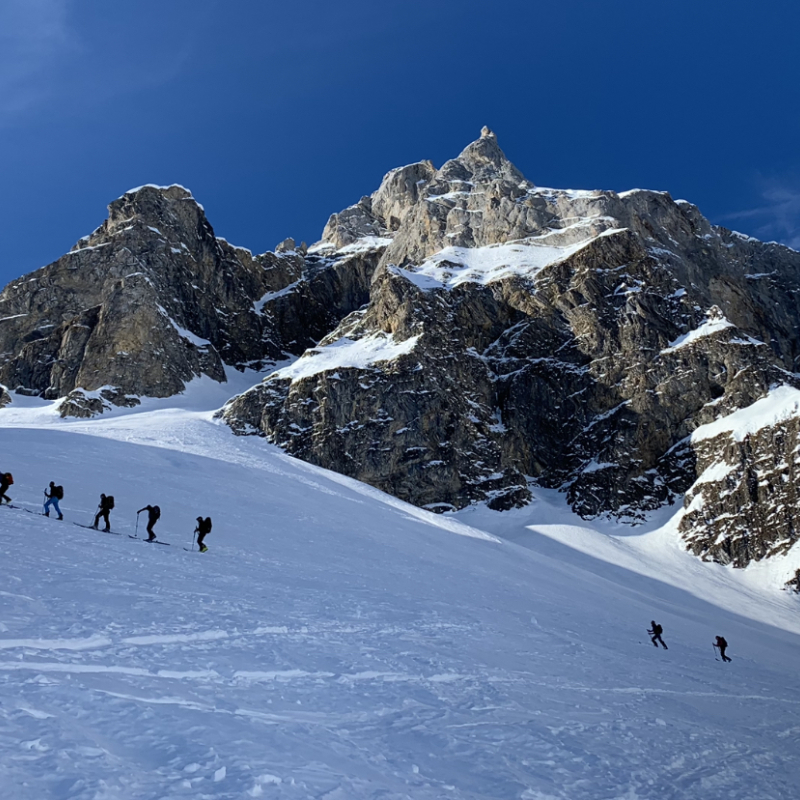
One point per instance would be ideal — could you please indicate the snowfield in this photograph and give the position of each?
(337, 643)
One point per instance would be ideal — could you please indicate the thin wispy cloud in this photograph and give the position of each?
(777, 218)
(54, 54)
(35, 38)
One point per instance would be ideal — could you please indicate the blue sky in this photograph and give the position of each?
(277, 114)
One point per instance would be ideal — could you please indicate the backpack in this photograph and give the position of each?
(9, 478)
(110, 501)
(156, 512)
(58, 492)
(658, 630)
(204, 526)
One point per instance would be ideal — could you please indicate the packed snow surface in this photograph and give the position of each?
(338, 643)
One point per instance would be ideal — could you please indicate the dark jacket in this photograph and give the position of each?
(153, 513)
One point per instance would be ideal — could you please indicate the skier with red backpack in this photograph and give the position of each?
(6, 480)
(56, 494)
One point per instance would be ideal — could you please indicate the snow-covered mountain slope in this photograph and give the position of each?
(338, 643)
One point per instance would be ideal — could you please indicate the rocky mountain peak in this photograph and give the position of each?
(418, 202)
(152, 299)
(170, 210)
(481, 161)
(575, 339)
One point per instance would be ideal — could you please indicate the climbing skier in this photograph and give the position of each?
(153, 513)
(202, 530)
(6, 479)
(56, 494)
(105, 508)
(722, 645)
(655, 634)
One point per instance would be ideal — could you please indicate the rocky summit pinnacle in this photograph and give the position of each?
(456, 337)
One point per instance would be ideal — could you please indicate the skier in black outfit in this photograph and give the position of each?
(722, 645)
(202, 530)
(106, 504)
(153, 513)
(5, 481)
(655, 634)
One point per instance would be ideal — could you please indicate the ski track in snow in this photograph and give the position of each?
(336, 643)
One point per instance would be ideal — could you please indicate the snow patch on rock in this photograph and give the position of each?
(347, 353)
(714, 324)
(780, 404)
(453, 266)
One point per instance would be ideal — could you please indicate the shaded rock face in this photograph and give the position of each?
(152, 299)
(517, 334)
(743, 506)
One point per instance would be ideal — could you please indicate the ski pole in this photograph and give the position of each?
(194, 538)
(44, 502)
(137, 522)
(715, 651)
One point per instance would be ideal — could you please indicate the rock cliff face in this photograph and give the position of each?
(744, 504)
(517, 334)
(152, 299)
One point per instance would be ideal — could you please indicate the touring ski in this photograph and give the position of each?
(92, 528)
(148, 541)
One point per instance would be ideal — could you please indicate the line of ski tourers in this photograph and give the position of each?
(656, 630)
(56, 493)
(53, 494)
